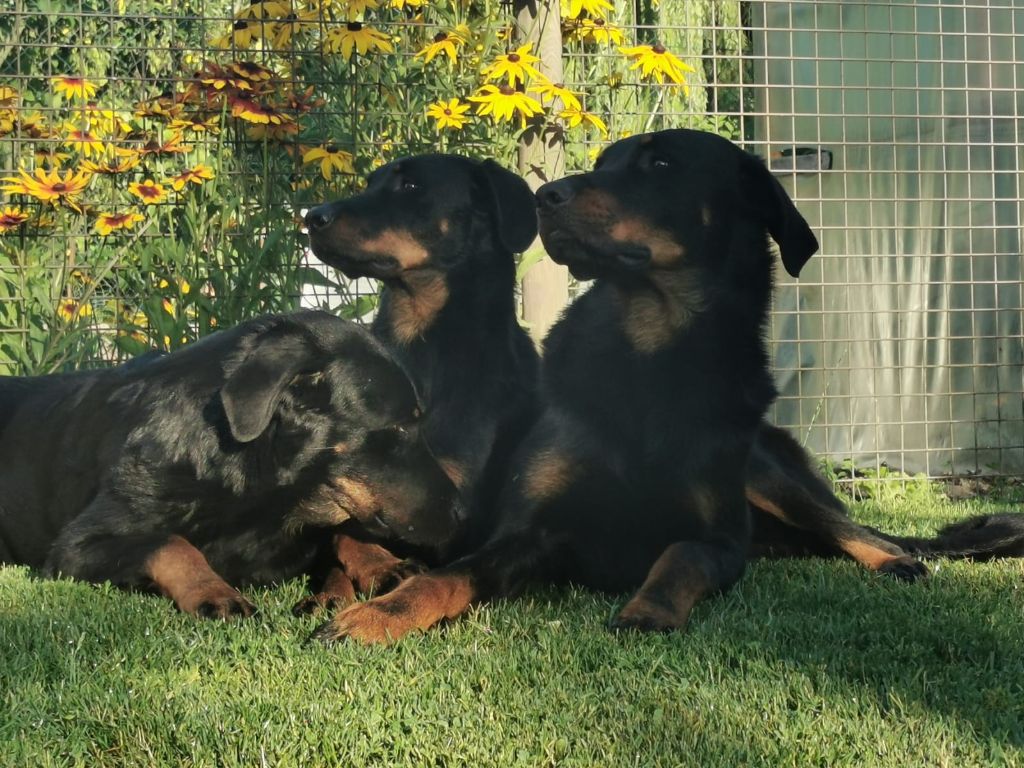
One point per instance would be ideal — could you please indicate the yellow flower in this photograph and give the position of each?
(148, 191)
(503, 103)
(8, 95)
(657, 63)
(597, 9)
(84, 141)
(576, 116)
(161, 108)
(271, 131)
(183, 286)
(447, 43)
(514, 67)
(549, 91)
(11, 218)
(33, 125)
(354, 37)
(111, 166)
(450, 114)
(254, 112)
(332, 158)
(280, 33)
(195, 123)
(355, 8)
(251, 71)
(107, 121)
(74, 87)
(594, 31)
(403, 4)
(197, 175)
(109, 222)
(69, 309)
(50, 187)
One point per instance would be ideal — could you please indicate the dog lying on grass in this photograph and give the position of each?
(217, 464)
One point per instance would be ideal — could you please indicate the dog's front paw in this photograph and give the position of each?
(216, 600)
(378, 621)
(319, 603)
(645, 615)
(904, 568)
(386, 576)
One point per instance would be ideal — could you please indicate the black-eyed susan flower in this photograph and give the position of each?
(158, 148)
(70, 309)
(12, 217)
(450, 115)
(112, 164)
(596, 9)
(575, 116)
(50, 186)
(503, 102)
(549, 91)
(74, 87)
(8, 119)
(355, 37)
(272, 131)
(105, 121)
(83, 140)
(251, 71)
(213, 77)
(149, 192)
(8, 95)
(291, 24)
(355, 9)
(183, 285)
(402, 5)
(254, 112)
(33, 125)
(49, 157)
(107, 223)
(513, 67)
(594, 31)
(331, 158)
(445, 43)
(198, 174)
(161, 108)
(658, 64)
(196, 124)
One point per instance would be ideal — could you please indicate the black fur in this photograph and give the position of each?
(235, 444)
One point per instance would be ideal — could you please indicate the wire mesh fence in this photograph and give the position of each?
(168, 150)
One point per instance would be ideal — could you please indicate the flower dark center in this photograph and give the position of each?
(59, 187)
(506, 90)
(332, 148)
(354, 26)
(599, 22)
(440, 37)
(447, 111)
(513, 57)
(658, 49)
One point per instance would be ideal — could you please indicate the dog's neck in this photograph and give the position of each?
(658, 307)
(414, 302)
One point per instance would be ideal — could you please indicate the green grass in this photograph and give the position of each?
(805, 663)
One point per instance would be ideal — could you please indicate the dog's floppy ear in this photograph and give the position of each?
(787, 227)
(515, 209)
(252, 390)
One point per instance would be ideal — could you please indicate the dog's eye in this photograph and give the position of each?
(408, 185)
(659, 162)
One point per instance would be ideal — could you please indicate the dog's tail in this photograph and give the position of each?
(977, 538)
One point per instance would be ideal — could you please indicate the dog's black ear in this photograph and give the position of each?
(253, 388)
(514, 206)
(787, 227)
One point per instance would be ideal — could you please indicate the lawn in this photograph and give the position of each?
(805, 663)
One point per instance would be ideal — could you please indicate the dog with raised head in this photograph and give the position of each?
(440, 233)
(219, 464)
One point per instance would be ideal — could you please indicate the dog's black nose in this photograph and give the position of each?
(555, 193)
(318, 218)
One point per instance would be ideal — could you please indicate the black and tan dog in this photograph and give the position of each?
(440, 232)
(655, 383)
(218, 463)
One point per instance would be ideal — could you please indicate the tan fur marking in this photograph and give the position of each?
(342, 448)
(763, 503)
(867, 555)
(399, 245)
(362, 497)
(181, 572)
(415, 305)
(455, 470)
(417, 603)
(665, 251)
(547, 474)
(444, 225)
(653, 314)
(705, 215)
(596, 204)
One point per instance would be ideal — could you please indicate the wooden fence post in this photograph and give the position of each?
(541, 159)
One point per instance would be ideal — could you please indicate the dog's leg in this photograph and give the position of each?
(497, 570)
(336, 591)
(686, 572)
(781, 483)
(180, 572)
(371, 567)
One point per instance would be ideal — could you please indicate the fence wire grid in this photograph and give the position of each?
(896, 126)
